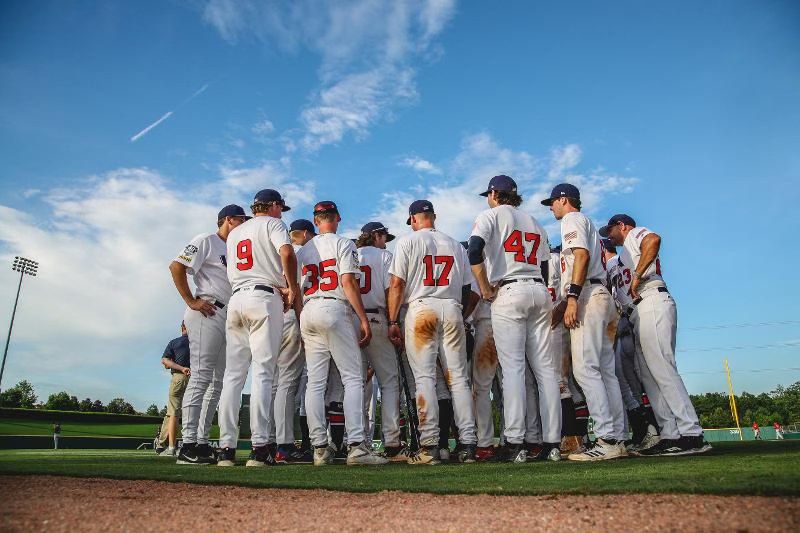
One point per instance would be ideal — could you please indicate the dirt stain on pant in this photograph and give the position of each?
(448, 377)
(611, 331)
(425, 326)
(422, 409)
(487, 353)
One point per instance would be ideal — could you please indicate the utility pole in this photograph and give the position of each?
(23, 266)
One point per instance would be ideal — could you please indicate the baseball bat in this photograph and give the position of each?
(411, 409)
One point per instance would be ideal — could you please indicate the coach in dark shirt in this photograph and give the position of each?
(176, 359)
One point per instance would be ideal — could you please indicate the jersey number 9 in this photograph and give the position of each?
(244, 252)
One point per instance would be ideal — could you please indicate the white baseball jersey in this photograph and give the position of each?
(632, 252)
(620, 276)
(554, 278)
(324, 259)
(205, 259)
(577, 231)
(516, 243)
(254, 251)
(433, 265)
(374, 264)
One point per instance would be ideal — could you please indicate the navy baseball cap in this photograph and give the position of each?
(607, 246)
(501, 183)
(562, 190)
(613, 221)
(371, 227)
(302, 224)
(232, 210)
(267, 196)
(325, 206)
(417, 207)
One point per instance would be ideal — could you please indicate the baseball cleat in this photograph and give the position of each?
(324, 455)
(548, 452)
(444, 455)
(189, 456)
(290, 454)
(226, 457)
(466, 453)
(688, 446)
(205, 450)
(484, 453)
(534, 450)
(648, 442)
(396, 454)
(511, 453)
(362, 454)
(660, 448)
(601, 451)
(425, 456)
(261, 456)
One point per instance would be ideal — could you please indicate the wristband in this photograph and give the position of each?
(637, 275)
(394, 323)
(574, 290)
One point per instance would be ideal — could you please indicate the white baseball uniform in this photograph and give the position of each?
(326, 325)
(592, 340)
(516, 244)
(484, 369)
(655, 322)
(287, 379)
(624, 336)
(559, 336)
(204, 258)
(380, 353)
(254, 326)
(435, 268)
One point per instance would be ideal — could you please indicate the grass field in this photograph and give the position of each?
(16, 426)
(756, 468)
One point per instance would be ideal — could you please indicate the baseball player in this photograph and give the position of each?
(291, 362)
(375, 261)
(591, 317)
(430, 272)
(484, 370)
(516, 254)
(263, 276)
(644, 433)
(204, 258)
(655, 322)
(331, 304)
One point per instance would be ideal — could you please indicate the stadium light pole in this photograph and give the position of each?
(23, 266)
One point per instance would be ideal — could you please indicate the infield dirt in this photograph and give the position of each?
(47, 503)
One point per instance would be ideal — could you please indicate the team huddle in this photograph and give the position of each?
(552, 336)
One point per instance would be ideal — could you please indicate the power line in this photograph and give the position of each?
(735, 348)
(748, 370)
(744, 325)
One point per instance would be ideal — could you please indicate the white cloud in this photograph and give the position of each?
(263, 127)
(97, 317)
(420, 165)
(456, 199)
(367, 50)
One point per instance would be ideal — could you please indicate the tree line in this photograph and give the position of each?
(22, 395)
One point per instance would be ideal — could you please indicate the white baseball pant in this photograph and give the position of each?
(434, 330)
(521, 315)
(484, 369)
(593, 361)
(207, 362)
(328, 333)
(287, 381)
(655, 322)
(560, 346)
(533, 419)
(381, 356)
(253, 330)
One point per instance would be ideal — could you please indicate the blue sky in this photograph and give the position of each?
(683, 115)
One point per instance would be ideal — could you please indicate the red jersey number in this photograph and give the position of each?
(244, 252)
(366, 271)
(515, 245)
(320, 278)
(444, 278)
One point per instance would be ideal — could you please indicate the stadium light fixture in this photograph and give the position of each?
(24, 266)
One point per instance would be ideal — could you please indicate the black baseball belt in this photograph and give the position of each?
(266, 288)
(505, 282)
(638, 300)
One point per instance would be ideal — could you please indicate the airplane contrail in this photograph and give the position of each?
(168, 114)
(145, 131)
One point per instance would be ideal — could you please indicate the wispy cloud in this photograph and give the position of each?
(420, 165)
(369, 54)
(168, 114)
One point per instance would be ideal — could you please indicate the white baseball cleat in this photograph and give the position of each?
(601, 451)
(554, 455)
(363, 454)
(444, 455)
(324, 456)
